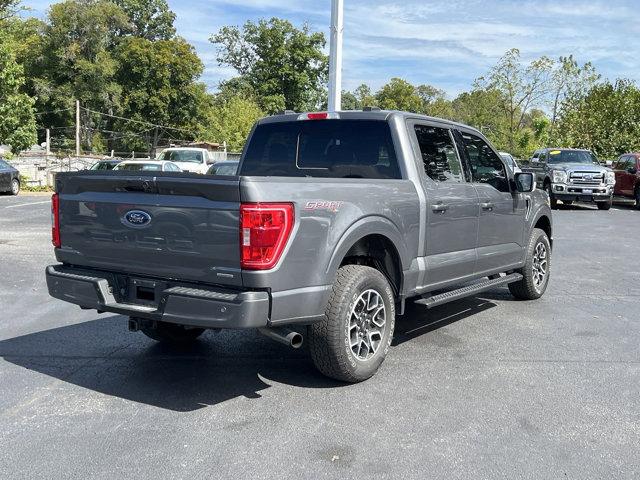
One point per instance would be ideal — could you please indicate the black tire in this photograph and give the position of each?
(171, 333)
(528, 288)
(637, 196)
(15, 186)
(553, 201)
(604, 205)
(332, 341)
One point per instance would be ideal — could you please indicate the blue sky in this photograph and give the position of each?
(446, 43)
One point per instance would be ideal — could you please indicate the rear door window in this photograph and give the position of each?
(322, 148)
(439, 155)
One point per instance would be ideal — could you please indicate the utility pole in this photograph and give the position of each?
(77, 128)
(335, 55)
(48, 147)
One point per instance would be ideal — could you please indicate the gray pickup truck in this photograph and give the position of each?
(572, 175)
(334, 221)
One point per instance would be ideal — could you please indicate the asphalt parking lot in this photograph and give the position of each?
(483, 388)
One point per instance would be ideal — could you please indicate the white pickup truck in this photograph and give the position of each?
(189, 159)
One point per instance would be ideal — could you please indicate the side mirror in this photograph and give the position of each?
(632, 170)
(525, 182)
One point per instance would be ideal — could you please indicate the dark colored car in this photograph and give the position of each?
(105, 164)
(572, 175)
(9, 178)
(627, 170)
(228, 168)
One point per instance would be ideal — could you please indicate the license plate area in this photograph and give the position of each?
(145, 292)
(587, 191)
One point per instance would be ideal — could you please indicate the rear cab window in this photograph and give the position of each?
(322, 148)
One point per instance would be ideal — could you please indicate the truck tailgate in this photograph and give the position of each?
(162, 225)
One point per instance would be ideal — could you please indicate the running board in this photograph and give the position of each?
(468, 291)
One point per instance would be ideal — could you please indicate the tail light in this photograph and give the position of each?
(264, 231)
(55, 220)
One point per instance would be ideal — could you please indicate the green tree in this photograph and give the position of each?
(483, 109)
(17, 120)
(159, 85)
(231, 120)
(521, 87)
(149, 19)
(569, 82)
(604, 120)
(399, 94)
(284, 65)
(74, 60)
(364, 97)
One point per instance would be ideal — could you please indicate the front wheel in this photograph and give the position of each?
(553, 201)
(605, 205)
(352, 341)
(535, 273)
(170, 332)
(15, 186)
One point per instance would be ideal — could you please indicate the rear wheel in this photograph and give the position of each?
(170, 332)
(637, 197)
(553, 201)
(352, 341)
(535, 273)
(15, 186)
(605, 205)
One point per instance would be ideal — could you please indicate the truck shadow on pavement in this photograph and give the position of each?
(102, 356)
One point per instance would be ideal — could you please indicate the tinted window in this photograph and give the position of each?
(322, 148)
(139, 166)
(439, 156)
(571, 156)
(486, 165)
(3, 164)
(227, 169)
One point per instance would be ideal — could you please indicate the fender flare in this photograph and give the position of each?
(371, 225)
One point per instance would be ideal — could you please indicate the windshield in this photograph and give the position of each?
(139, 167)
(187, 156)
(103, 166)
(322, 148)
(571, 156)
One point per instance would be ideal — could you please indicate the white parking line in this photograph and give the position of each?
(27, 204)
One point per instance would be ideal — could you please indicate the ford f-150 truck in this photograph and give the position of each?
(333, 222)
(572, 175)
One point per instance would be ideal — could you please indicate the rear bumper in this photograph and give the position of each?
(198, 307)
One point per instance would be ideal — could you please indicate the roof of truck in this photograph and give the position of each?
(366, 115)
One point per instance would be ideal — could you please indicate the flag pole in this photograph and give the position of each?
(335, 55)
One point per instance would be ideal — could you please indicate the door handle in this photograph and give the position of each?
(487, 206)
(440, 208)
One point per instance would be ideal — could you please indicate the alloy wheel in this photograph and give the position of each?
(540, 265)
(367, 322)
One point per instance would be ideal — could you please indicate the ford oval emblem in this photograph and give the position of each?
(136, 219)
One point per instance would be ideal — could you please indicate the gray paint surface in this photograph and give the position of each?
(194, 231)
(485, 388)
